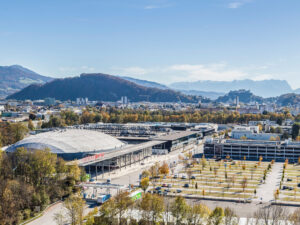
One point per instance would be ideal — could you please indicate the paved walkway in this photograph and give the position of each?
(48, 217)
(266, 190)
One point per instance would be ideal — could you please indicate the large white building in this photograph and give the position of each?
(70, 143)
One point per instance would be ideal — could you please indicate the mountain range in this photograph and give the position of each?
(21, 83)
(264, 88)
(14, 78)
(99, 87)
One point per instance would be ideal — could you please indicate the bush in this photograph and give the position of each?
(26, 214)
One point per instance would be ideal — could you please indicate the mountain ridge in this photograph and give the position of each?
(264, 88)
(99, 87)
(15, 77)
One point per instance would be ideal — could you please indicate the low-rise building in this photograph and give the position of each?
(252, 150)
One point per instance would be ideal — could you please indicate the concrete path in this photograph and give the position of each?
(48, 217)
(265, 192)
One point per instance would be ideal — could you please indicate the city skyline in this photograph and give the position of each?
(158, 40)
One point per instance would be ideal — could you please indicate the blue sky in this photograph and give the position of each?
(158, 40)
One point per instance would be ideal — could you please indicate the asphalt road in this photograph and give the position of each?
(48, 216)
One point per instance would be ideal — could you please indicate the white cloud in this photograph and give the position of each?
(238, 3)
(206, 72)
(263, 77)
(184, 72)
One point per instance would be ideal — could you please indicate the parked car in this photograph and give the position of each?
(178, 191)
(169, 185)
(186, 185)
(289, 179)
(175, 177)
(158, 188)
(164, 185)
(183, 177)
(193, 177)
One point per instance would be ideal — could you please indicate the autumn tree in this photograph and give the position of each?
(122, 201)
(216, 216)
(230, 217)
(294, 217)
(30, 125)
(75, 207)
(179, 209)
(108, 212)
(153, 208)
(145, 183)
(198, 214)
(164, 169)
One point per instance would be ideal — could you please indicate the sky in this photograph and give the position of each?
(159, 40)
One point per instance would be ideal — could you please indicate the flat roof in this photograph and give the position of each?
(175, 135)
(122, 151)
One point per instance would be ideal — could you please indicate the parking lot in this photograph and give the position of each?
(228, 179)
(290, 184)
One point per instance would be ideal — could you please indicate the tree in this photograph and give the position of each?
(230, 218)
(75, 206)
(203, 161)
(154, 172)
(60, 218)
(145, 183)
(158, 208)
(179, 209)
(18, 131)
(198, 214)
(285, 135)
(164, 169)
(145, 173)
(30, 125)
(216, 216)
(244, 183)
(153, 205)
(294, 218)
(122, 201)
(189, 174)
(295, 130)
(270, 215)
(108, 212)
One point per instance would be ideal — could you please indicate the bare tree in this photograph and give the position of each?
(59, 218)
(271, 215)
(230, 217)
(294, 218)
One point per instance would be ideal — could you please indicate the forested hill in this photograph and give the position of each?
(99, 87)
(245, 96)
(14, 78)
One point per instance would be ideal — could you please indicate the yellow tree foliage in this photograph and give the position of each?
(145, 183)
(164, 169)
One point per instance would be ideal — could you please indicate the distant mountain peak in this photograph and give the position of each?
(264, 88)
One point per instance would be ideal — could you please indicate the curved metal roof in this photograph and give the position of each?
(69, 141)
